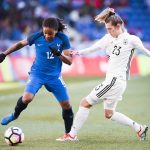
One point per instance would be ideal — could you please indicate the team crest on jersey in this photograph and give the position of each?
(58, 45)
(125, 42)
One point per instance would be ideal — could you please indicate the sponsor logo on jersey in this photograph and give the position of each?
(39, 44)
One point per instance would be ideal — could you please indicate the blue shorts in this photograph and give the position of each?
(54, 85)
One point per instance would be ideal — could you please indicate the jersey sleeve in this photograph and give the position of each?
(99, 45)
(102, 43)
(66, 43)
(65, 40)
(32, 38)
(137, 43)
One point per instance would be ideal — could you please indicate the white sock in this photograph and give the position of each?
(80, 118)
(122, 119)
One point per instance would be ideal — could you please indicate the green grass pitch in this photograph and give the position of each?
(42, 122)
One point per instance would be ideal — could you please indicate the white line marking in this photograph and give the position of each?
(69, 86)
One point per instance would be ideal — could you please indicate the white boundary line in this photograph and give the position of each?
(69, 86)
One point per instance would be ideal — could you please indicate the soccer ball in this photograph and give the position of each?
(13, 136)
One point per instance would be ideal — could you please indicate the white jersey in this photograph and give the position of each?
(120, 51)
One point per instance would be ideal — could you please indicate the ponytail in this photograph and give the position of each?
(106, 13)
(61, 26)
(109, 15)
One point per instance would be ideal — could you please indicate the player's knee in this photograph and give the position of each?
(65, 104)
(27, 98)
(84, 103)
(108, 114)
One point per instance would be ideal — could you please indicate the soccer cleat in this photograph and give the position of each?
(67, 137)
(142, 132)
(7, 119)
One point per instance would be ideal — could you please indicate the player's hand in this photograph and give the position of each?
(74, 53)
(2, 57)
(55, 51)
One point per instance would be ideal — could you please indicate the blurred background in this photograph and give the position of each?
(42, 122)
(19, 18)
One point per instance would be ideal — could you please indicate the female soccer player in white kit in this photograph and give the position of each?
(119, 45)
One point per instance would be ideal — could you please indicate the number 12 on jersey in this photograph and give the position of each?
(50, 55)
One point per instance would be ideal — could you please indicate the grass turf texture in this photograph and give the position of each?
(42, 122)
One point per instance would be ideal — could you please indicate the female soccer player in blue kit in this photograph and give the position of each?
(50, 45)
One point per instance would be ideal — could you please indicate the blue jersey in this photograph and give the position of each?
(46, 64)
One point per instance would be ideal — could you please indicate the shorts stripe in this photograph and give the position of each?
(107, 88)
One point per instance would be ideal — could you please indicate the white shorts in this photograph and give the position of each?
(110, 92)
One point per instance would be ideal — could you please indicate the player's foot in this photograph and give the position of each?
(7, 119)
(142, 132)
(67, 137)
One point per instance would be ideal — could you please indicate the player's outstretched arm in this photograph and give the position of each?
(14, 48)
(139, 45)
(66, 57)
(146, 51)
(89, 50)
